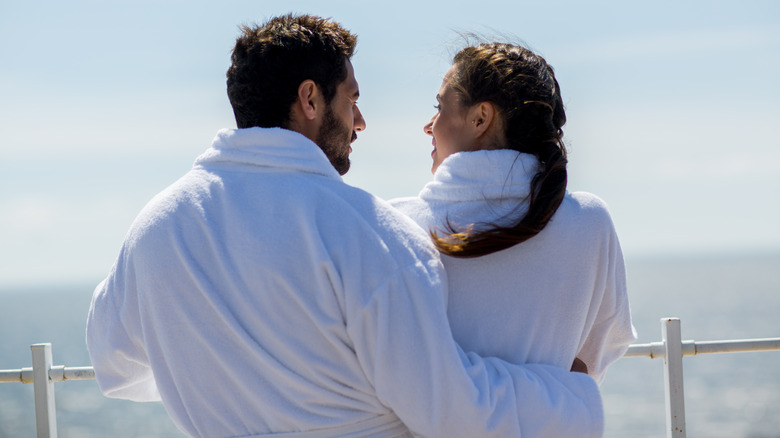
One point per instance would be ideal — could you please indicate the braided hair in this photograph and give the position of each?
(523, 87)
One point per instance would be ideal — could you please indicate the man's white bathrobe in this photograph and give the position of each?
(260, 293)
(560, 295)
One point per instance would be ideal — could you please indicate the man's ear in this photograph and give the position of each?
(307, 111)
(309, 99)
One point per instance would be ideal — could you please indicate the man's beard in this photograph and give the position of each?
(334, 139)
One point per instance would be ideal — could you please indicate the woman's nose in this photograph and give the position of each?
(428, 128)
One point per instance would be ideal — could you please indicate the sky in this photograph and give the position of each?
(672, 113)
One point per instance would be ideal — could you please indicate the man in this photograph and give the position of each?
(260, 294)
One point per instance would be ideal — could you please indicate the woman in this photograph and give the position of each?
(536, 273)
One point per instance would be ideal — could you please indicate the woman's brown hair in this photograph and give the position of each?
(523, 88)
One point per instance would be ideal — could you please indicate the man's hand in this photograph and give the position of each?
(579, 366)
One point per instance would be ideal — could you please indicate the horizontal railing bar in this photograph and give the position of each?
(56, 374)
(744, 345)
(653, 350)
(61, 373)
(24, 375)
(656, 350)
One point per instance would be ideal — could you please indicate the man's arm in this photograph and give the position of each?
(404, 343)
(121, 366)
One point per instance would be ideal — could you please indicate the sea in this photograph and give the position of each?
(715, 297)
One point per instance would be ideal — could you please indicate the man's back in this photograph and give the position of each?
(249, 258)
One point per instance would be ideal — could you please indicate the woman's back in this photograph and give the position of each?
(557, 296)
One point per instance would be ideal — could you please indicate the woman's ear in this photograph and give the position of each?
(484, 119)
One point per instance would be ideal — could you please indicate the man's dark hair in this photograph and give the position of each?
(270, 61)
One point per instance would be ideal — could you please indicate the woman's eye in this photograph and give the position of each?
(437, 107)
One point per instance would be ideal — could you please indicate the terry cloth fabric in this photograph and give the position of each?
(380, 427)
(261, 294)
(560, 295)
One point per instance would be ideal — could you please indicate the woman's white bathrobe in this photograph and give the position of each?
(558, 295)
(260, 293)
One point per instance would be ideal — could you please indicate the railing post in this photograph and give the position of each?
(673, 378)
(43, 387)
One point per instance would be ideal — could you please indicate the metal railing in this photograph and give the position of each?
(672, 349)
(43, 374)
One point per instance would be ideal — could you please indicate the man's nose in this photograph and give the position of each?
(360, 122)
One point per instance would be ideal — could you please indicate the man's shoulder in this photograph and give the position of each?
(407, 203)
(386, 215)
(180, 199)
(394, 229)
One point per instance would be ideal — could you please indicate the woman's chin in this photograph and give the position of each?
(435, 165)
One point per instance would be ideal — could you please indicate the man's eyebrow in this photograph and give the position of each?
(356, 94)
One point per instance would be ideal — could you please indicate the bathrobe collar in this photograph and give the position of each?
(482, 175)
(267, 147)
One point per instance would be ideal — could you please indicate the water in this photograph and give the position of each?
(726, 395)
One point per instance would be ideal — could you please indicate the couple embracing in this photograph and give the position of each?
(260, 295)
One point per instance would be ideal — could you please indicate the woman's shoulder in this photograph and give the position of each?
(587, 205)
(587, 200)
